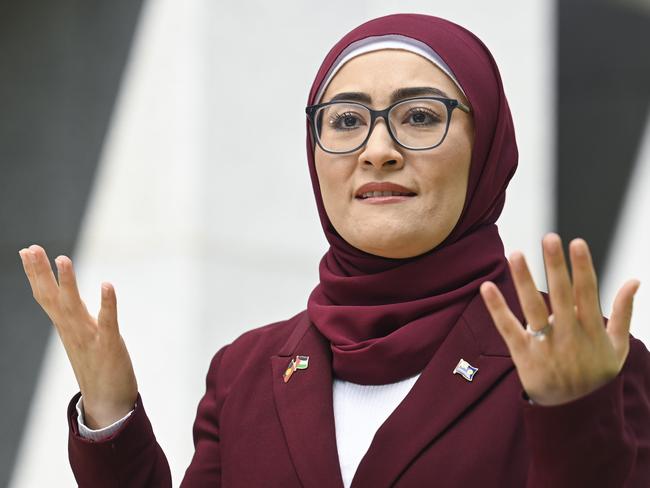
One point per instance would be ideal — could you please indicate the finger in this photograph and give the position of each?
(27, 267)
(618, 326)
(47, 288)
(559, 282)
(507, 324)
(107, 317)
(68, 283)
(531, 300)
(585, 287)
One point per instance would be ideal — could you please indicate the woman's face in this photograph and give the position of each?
(396, 227)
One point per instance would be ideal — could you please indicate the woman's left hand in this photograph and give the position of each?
(577, 354)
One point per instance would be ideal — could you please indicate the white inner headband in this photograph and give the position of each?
(388, 41)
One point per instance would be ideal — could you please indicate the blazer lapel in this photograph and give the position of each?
(438, 397)
(305, 407)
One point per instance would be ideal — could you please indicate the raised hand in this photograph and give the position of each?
(575, 354)
(97, 353)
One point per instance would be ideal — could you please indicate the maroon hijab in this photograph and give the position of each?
(384, 317)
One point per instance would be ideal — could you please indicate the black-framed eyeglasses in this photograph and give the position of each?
(418, 124)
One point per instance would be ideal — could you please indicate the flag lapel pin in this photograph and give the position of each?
(299, 362)
(465, 369)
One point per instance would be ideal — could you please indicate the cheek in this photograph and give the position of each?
(333, 179)
(446, 186)
(457, 164)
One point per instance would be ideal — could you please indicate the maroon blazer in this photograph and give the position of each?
(254, 430)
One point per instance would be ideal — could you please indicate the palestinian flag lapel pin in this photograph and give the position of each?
(299, 362)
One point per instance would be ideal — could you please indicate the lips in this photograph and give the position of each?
(382, 189)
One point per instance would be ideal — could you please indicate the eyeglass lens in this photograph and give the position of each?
(417, 124)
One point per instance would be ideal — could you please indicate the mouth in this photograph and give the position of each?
(377, 194)
(383, 192)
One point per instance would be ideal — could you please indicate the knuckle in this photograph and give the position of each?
(42, 299)
(70, 308)
(47, 300)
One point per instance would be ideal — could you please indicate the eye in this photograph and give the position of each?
(346, 121)
(422, 116)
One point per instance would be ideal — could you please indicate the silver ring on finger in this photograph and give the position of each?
(541, 334)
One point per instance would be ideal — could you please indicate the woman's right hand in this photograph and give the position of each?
(98, 355)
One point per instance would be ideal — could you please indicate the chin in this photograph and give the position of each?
(395, 247)
(400, 236)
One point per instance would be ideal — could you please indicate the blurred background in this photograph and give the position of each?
(132, 138)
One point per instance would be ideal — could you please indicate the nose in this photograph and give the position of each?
(380, 150)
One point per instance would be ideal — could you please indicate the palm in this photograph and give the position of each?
(97, 353)
(577, 354)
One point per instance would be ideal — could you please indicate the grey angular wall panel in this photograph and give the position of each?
(603, 100)
(61, 65)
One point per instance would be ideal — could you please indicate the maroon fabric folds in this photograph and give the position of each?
(384, 317)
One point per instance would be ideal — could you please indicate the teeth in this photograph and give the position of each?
(369, 194)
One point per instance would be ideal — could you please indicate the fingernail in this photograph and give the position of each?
(486, 288)
(553, 244)
(515, 255)
(32, 256)
(580, 247)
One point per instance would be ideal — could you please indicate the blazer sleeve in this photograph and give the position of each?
(132, 458)
(128, 458)
(602, 439)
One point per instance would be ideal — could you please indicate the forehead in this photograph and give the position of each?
(379, 73)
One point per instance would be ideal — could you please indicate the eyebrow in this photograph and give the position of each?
(398, 94)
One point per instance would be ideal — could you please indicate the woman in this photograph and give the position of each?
(395, 374)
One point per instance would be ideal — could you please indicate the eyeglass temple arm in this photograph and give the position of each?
(464, 107)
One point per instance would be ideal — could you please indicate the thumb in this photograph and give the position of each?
(618, 326)
(107, 317)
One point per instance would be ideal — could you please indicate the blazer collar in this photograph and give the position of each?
(437, 398)
(305, 407)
